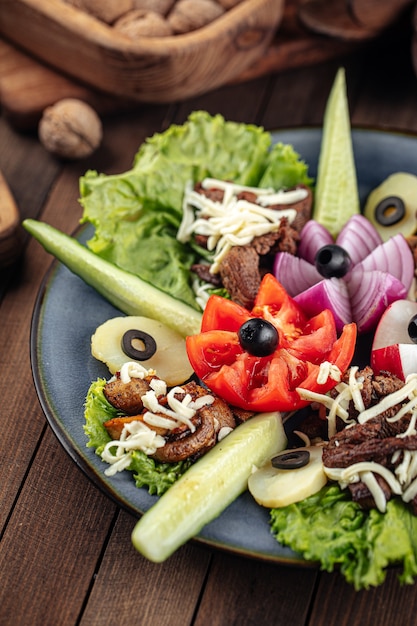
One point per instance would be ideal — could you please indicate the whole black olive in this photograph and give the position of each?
(332, 261)
(389, 211)
(148, 342)
(412, 329)
(293, 459)
(258, 337)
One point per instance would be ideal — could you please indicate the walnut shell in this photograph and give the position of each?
(189, 15)
(140, 23)
(159, 6)
(229, 4)
(105, 10)
(70, 128)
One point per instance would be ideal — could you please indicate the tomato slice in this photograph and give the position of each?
(269, 382)
(223, 314)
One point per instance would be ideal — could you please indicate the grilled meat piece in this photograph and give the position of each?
(127, 397)
(361, 494)
(181, 442)
(191, 445)
(240, 275)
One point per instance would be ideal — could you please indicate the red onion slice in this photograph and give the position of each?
(330, 293)
(295, 274)
(394, 257)
(359, 238)
(313, 237)
(370, 294)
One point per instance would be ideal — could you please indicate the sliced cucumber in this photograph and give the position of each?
(125, 291)
(336, 196)
(208, 487)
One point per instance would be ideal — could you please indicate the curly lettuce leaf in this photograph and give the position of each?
(97, 410)
(331, 529)
(155, 476)
(136, 214)
(285, 169)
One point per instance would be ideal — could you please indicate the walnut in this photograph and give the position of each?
(140, 23)
(105, 10)
(189, 15)
(159, 6)
(70, 128)
(229, 4)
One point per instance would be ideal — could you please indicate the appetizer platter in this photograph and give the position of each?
(305, 338)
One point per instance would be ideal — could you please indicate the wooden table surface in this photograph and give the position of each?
(66, 555)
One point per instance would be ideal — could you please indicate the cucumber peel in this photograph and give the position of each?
(208, 486)
(336, 194)
(129, 293)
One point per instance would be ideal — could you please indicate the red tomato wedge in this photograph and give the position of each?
(268, 383)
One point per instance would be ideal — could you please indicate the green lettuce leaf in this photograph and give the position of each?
(136, 214)
(285, 169)
(97, 410)
(155, 476)
(334, 531)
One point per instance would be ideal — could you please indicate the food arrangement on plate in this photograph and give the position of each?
(247, 287)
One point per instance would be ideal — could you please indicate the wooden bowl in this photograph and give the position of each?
(162, 69)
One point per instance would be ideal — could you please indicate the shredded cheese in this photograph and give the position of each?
(233, 222)
(135, 436)
(131, 369)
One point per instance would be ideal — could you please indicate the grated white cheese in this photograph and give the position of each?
(361, 471)
(356, 386)
(233, 222)
(135, 436)
(328, 370)
(407, 391)
(132, 369)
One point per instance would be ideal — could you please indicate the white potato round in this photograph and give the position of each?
(170, 360)
(273, 488)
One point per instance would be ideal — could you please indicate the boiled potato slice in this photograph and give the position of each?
(274, 488)
(402, 185)
(170, 360)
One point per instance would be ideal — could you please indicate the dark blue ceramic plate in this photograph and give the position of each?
(67, 312)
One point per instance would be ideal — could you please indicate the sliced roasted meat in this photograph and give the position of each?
(240, 274)
(181, 442)
(190, 445)
(127, 397)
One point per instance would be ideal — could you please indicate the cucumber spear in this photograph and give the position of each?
(127, 292)
(336, 196)
(208, 486)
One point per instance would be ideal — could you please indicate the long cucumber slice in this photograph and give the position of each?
(336, 195)
(124, 290)
(208, 487)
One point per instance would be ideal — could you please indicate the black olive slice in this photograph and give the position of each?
(149, 345)
(389, 211)
(258, 337)
(412, 329)
(332, 261)
(293, 459)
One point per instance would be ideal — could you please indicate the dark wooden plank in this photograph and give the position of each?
(129, 589)
(338, 604)
(52, 542)
(245, 592)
